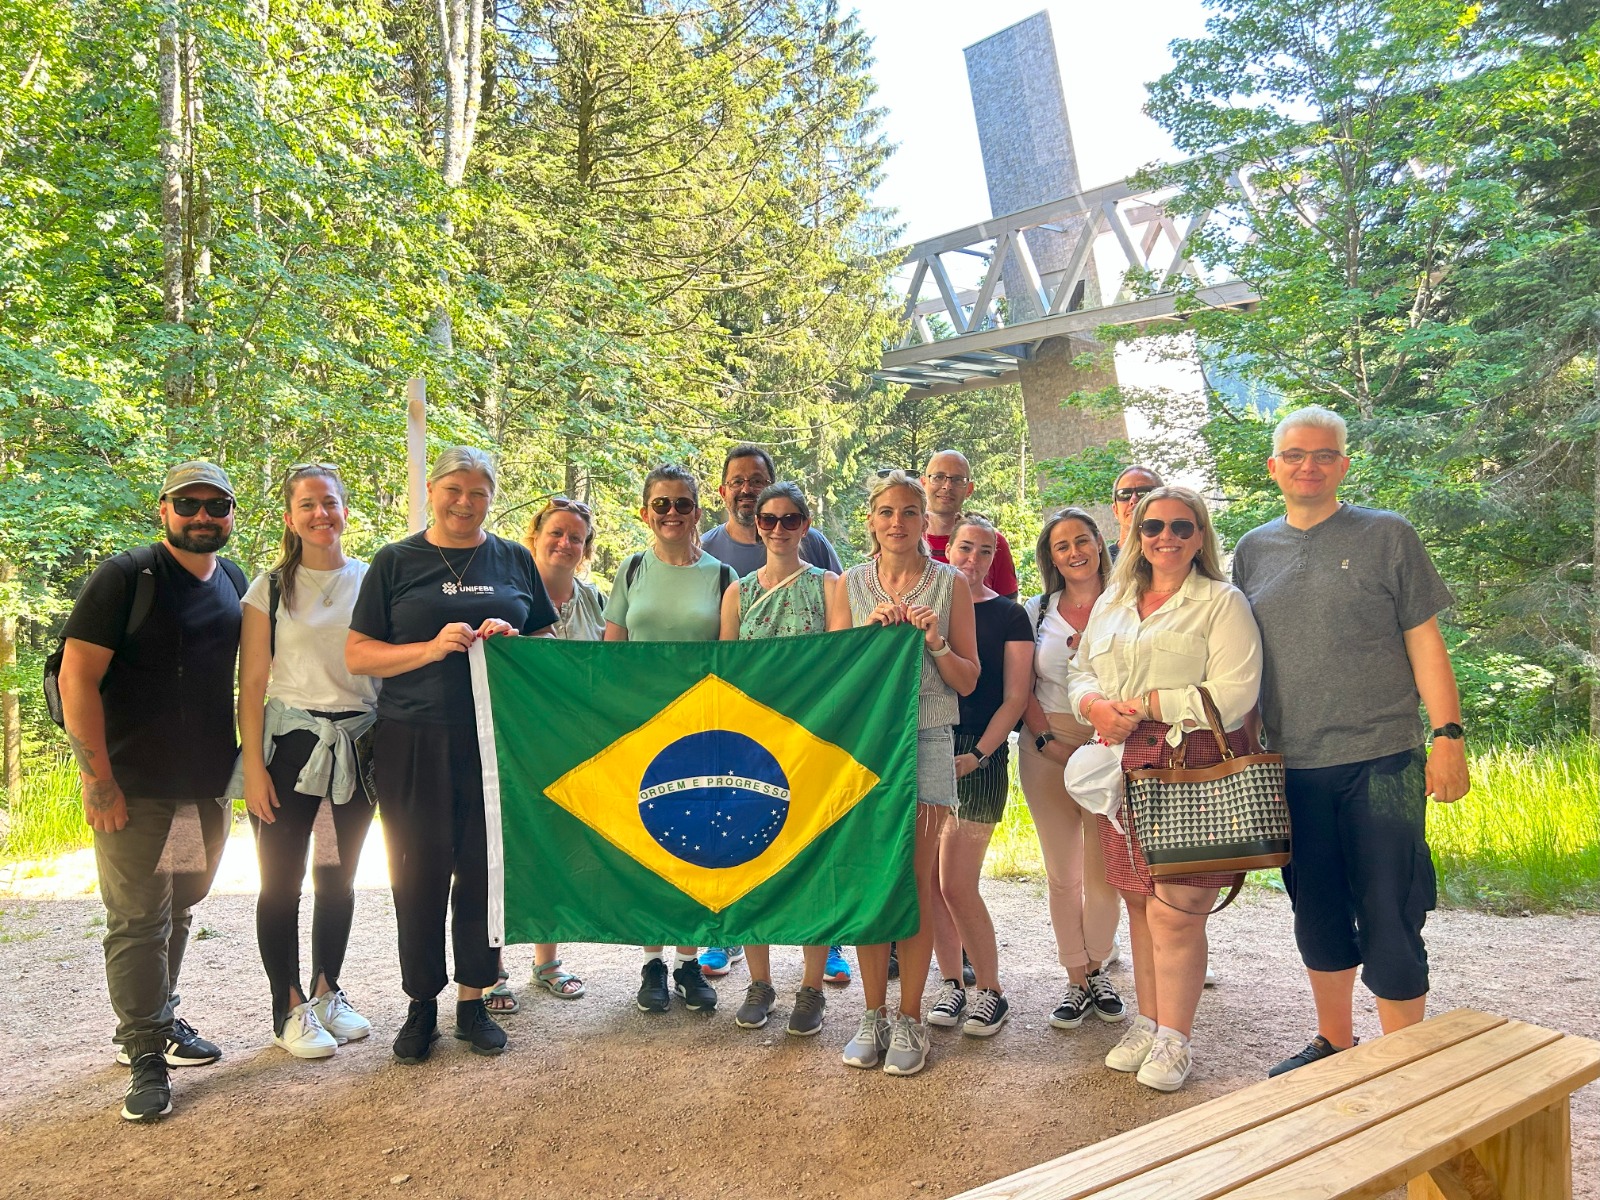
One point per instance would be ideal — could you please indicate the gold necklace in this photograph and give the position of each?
(463, 574)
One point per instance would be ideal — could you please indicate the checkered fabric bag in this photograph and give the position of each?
(1231, 816)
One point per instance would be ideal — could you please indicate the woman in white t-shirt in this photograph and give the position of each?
(304, 720)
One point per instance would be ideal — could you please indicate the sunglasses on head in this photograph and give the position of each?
(1123, 495)
(312, 468)
(682, 505)
(885, 472)
(188, 506)
(576, 506)
(1182, 528)
(770, 521)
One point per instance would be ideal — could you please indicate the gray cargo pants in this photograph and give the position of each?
(152, 873)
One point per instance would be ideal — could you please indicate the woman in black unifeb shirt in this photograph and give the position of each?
(424, 601)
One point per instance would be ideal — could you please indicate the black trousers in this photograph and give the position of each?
(281, 849)
(430, 792)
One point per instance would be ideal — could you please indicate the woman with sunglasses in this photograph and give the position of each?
(902, 584)
(1168, 625)
(302, 715)
(671, 592)
(784, 598)
(982, 756)
(1074, 564)
(425, 601)
(560, 536)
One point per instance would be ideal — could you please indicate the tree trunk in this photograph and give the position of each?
(174, 293)
(10, 708)
(1594, 572)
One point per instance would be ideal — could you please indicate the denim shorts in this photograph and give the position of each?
(936, 766)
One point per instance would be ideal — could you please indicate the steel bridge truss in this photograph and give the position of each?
(978, 337)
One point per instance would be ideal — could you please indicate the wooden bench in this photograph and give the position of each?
(1466, 1106)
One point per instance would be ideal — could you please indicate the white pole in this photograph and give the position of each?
(417, 453)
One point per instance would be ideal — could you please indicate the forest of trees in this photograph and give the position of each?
(612, 232)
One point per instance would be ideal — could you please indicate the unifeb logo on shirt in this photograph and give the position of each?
(451, 588)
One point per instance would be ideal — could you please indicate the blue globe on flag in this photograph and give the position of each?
(715, 798)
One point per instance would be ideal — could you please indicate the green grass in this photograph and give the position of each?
(47, 819)
(1526, 838)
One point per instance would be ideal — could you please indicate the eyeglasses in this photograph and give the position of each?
(1123, 495)
(885, 472)
(576, 506)
(1181, 529)
(312, 468)
(662, 505)
(188, 506)
(770, 521)
(739, 483)
(1323, 458)
(943, 480)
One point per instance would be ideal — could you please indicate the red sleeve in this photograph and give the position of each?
(1002, 576)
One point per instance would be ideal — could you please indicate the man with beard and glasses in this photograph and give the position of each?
(746, 469)
(147, 694)
(948, 482)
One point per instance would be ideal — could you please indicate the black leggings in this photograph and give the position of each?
(281, 849)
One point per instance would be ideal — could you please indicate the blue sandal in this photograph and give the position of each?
(561, 984)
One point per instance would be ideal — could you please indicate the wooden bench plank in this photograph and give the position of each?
(1389, 1154)
(1219, 1169)
(1531, 1159)
(1106, 1163)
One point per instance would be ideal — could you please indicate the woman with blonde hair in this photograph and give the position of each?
(902, 584)
(1169, 625)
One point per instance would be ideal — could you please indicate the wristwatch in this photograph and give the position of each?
(1046, 736)
(983, 759)
(1451, 729)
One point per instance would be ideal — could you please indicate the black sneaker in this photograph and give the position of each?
(415, 1040)
(478, 1029)
(653, 994)
(987, 1014)
(968, 975)
(1107, 1004)
(1319, 1047)
(1074, 1007)
(149, 1094)
(691, 984)
(184, 1048)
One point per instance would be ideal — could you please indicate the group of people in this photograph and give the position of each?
(354, 694)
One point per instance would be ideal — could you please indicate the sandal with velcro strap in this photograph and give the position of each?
(563, 985)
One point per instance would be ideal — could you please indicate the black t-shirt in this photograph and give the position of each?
(409, 594)
(999, 621)
(168, 693)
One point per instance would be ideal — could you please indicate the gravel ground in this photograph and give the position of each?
(596, 1099)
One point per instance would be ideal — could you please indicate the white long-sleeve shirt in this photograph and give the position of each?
(1203, 635)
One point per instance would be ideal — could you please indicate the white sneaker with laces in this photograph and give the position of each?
(338, 1018)
(303, 1035)
(908, 1047)
(870, 1041)
(1167, 1066)
(1129, 1053)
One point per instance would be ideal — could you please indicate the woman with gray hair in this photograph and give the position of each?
(424, 601)
(1168, 625)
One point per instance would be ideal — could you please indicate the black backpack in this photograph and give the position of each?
(138, 565)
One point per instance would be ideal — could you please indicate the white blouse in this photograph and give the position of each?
(1054, 642)
(1203, 635)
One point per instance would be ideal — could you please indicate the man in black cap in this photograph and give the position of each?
(146, 682)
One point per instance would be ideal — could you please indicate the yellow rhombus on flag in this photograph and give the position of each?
(617, 790)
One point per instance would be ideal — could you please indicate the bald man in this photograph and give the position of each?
(948, 480)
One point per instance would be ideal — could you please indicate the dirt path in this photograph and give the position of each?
(596, 1099)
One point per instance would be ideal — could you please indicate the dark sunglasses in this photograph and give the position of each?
(885, 472)
(662, 505)
(188, 506)
(1123, 495)
(577, 506)
(770, 521)
(1181, 528)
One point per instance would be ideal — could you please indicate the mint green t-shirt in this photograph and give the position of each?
(665, 603)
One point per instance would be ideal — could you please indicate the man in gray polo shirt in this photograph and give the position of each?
(1348, 602)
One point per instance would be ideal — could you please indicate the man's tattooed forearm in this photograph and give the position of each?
(81, 752)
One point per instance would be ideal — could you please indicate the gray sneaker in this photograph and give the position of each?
(908, 1047)
(871, 1040)
(805, 1018)
(757, 1006)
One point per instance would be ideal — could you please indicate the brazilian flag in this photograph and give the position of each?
(705, 793)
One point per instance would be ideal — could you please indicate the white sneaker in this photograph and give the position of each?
(1116, 952)
(1129, 1053)
(303, 1035)
(908, 1047)
(870, 1041)
(1168, 1065)
(338, 1018)
(1211, 976)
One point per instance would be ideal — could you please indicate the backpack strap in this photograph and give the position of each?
(726, 576)
(235, 575)
(274, 595)
(634, 561)
(139, 563)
